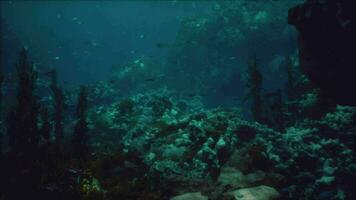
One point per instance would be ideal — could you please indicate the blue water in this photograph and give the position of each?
(155, 99)
(84, 39)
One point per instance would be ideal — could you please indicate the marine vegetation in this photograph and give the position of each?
(58, 107)
(80, 135)
(1, 109)
(254, 85)
(201, 125)
(1, 84)
(23, 130)
(46, 127)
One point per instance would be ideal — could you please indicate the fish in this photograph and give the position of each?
(91, 43)
(150, 79)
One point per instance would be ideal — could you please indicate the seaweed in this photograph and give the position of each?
(160, 143)
(23, 129)
(58, 107)
(80, 140)
(291, 80)
(1, 119)
(1, 85)
(254, 85)
(46, 128)
(274, 107)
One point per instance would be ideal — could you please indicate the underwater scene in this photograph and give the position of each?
(178, 100)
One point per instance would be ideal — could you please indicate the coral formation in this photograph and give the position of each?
(158, 147)
(200, 146)
(146, 134)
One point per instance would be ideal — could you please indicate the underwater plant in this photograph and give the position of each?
(1, 120)
(80, 140)
(291, 80)
(132, 140)
(1, 83)
(46, 128)
(22, 121)
(254, 85)
(292, 90)
(273, 107)
(58, 107)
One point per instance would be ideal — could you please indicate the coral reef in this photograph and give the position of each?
(144, 134)
(226, 38)
(188, 147)
(155, 145)
(136, 76)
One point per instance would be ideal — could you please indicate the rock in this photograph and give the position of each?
(256, 193)
(236, 179)
(190, 196)
(327, 46)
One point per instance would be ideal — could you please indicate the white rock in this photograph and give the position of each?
(256, 193)
(236, 179)
(190, 196)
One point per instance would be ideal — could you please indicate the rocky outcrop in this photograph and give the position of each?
(327, 44)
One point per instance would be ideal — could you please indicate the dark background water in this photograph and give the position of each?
(84, 39)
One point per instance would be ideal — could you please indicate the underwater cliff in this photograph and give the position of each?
(236, 100)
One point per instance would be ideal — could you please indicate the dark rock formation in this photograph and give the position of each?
(327, 46)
